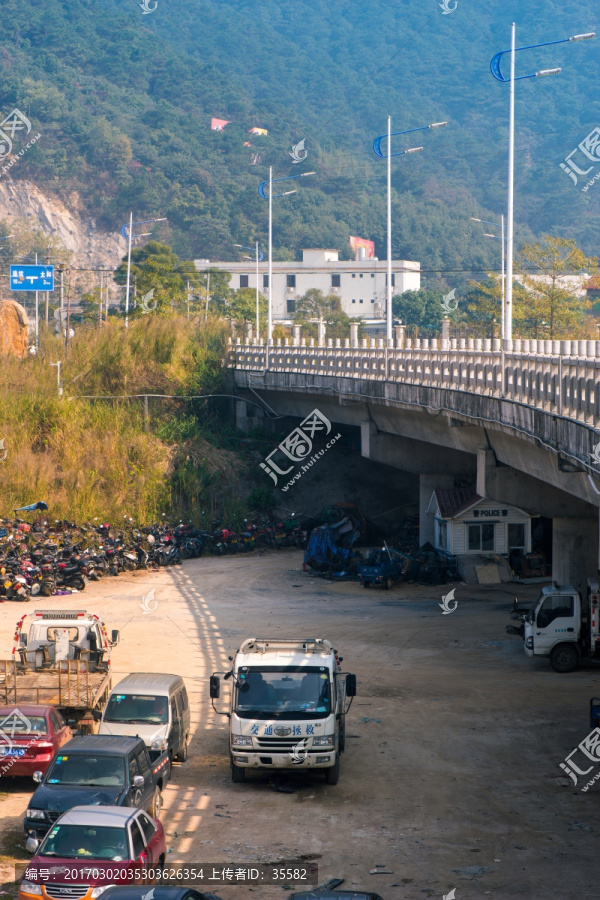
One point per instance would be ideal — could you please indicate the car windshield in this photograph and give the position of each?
(15, 726)
(87, 769)
(277, 692)
(137, 709)
(85, 842)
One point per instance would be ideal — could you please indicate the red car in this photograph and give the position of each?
(29, 738)
(90, 848)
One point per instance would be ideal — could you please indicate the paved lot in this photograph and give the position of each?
(450, 778)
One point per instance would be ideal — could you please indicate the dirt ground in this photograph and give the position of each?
(451, 774)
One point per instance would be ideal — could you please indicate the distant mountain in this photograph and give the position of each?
(124, 100)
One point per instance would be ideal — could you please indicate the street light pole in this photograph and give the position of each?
(496, 70)
(270, 294)
(128, 271)
(511, 192)
(257, 304)
(502, 238)
(378, 151)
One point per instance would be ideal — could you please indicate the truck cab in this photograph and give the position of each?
(561, 627)
(287, 706)
(47, 638)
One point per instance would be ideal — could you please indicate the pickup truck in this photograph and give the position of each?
(383, 567)
(94, 769)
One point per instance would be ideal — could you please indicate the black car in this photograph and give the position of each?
(94, 769)
(142, 892)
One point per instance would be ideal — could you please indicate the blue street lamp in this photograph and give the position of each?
(495, 68)
(378, 152)
(127, 233)
(258, 256)
(261, 191)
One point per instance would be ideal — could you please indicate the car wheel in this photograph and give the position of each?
(366, 584)
(183, 753)
(564, 658)
(238, 775)
(156, 805)
(332, 775)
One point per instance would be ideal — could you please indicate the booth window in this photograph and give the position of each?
(481, 537)
(516, 536)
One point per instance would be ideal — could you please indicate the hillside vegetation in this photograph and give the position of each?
(89, 458)
(124, 101)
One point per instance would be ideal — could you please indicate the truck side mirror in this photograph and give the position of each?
(215, 687)
(32, 844)
(351, 685)
(138, 781)
(24, 639)
(114, 637)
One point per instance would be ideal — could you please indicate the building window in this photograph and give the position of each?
(516, 537)
(291, 305)
(372, 301)
(393, 280)
(336, 281)
(361, 275)
(442, 535)
(243, 281)
(354, 301)
(291, 281)
(372, 275)
(360, 301)
(265, 281)
(481, 537)
(353, 275)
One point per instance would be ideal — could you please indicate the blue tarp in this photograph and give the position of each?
(322, 553)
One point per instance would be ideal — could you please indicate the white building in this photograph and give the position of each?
(361, 284)
(465, 523)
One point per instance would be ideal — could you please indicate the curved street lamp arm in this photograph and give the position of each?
(496, 61)
(262, 188)
(377, 142)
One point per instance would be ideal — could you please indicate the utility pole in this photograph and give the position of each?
(188, 299)
(67, 336)
(207, 292)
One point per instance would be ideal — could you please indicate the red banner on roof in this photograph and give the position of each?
(369, 246)
(218, 124)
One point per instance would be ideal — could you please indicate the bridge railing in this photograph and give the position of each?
(561, 377)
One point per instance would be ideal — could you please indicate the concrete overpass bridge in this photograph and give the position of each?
(521, 419)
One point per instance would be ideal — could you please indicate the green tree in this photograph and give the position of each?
(315, 305)
(553, 304)
(420, 309)
(242, 307)
(155, 267)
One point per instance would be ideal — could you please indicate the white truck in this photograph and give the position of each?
(287, 707)
(562, 625)
(60, 657)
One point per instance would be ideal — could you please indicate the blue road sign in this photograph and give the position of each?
(32, 278)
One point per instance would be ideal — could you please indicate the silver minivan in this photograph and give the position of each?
(154, 707)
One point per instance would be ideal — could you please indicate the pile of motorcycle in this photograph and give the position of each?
(62, 557)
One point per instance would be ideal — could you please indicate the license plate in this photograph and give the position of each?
(13, 751)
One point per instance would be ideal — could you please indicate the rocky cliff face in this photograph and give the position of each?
(90, 248)
(14, 334)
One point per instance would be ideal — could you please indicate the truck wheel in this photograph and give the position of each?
(389, 584)
(238, 775)
(156, 805)
(182, 755)
(332, 775)
(366, 584)
(564, 658)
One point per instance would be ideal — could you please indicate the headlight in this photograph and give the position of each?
(241, 740)
(529, 643)
(36, 814)
(99, 890)
(28, 887)
(160, 744)
(327, 740)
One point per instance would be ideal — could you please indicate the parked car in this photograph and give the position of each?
(100, 770)
(153, 706)
(167, 892)
(30, 735)
(95, 846)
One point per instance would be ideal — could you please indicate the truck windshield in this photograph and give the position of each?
(137, 709)
(85, 842)
(277, 692)
(81, 768)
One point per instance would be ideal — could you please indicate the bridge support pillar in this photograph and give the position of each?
(427, 485)
(574, 551)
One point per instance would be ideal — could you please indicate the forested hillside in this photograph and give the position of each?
(123, 102)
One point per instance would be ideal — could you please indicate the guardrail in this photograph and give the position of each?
(560, 377)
